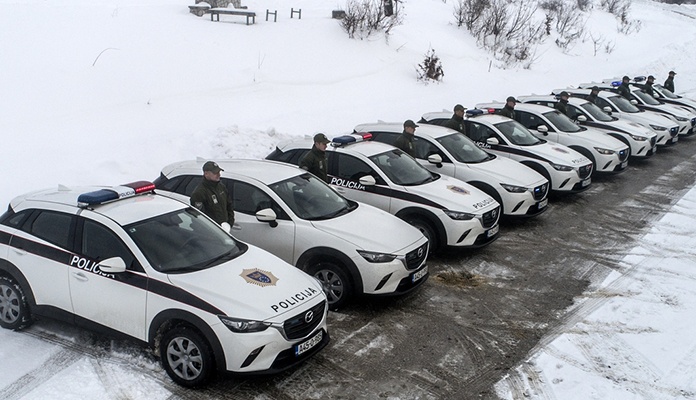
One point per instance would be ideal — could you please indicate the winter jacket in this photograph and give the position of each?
(212, 199)
(456, 123)
(315, 162)
(562, 106)
(669, 84)
(508, 111)
(625, 91)
(405, 143)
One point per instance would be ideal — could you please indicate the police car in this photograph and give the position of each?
(566, 170)
(296, 216)
(448, 211)
(125, 260)
(606, 153)
(685, 119)
(641, 141)
(668, 97)
(614, 104)
(520, 191)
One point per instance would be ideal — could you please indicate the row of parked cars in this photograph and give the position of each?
(137, 260)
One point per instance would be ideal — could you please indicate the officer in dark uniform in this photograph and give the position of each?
(315, 160)
(592, 98)
(211, 196)
(624, 90)
(457, 120)
(649, 86)
(509, 109)
(405, 140)
(562, 104)
(669, 82)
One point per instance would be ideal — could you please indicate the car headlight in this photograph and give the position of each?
(606, 152)
(513, 188)
(243, 325)
(459, 216)
(639, 138)
(374, 257)
(658, 127)
(559, 167)
(682, 119)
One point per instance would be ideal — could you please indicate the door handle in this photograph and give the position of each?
(80, 276)
(340, 190)
(19, 251)
(236, 227)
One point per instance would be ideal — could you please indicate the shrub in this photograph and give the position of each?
(431, 68)
(366, 17)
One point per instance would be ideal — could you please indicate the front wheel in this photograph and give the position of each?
(186, 357)
(336, 283)
(14, 310)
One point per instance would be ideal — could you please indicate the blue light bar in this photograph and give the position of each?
(344, 139)
(97, 197)
(102, 196)
(616, 83)
(639, 78)
(474, 112)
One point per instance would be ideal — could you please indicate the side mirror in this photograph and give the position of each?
(655, 95)
(435, 159)
(267, 215)
(492, 141)
(367, 180)
(226, 227)
(634, 102)
(113, 265)
(543, 129)
(607, 109)
(582, 118)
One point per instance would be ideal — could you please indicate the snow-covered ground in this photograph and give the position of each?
(109, 91)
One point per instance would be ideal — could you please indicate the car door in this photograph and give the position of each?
(532, 122)
(116, 301)
(345, 171)
(425, 148)
(248, 200)
(41, 247)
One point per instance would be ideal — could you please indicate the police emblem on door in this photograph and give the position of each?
(259, 277)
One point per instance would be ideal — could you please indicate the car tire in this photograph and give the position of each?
(336, 284)
(14, 309)
(186, 356)
(426, 229)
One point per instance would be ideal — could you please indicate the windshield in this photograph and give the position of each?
(623, 105)
(463, 149)
(596, 112)
(666, 92)
(402, 169)
(646, 98)
(562, 122)
(183, 241)
(517, 134)
(310, 198)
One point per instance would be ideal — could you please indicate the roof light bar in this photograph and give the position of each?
(476, 111)
(114, 193)
(615, 83)
(352, 138)
(639, 78)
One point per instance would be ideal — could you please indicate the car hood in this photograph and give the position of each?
(256, 285)
(454, 195)
(629, 127)
(560, 154)
(597, 138)
(511, 172)
(371, 229)
(648, 117)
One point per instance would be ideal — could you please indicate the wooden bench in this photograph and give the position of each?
(250, 15)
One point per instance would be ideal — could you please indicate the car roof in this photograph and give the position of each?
(552, 98)
(265, 171)
(535, 108)
(432, 131)
(124, 211)
(366, 148)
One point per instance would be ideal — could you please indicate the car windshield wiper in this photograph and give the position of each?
(197, 267)
(343, 210)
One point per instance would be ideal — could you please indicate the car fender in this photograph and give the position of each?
(429, 216)
(9, 269)
(327, 252)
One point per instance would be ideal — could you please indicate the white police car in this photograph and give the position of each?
(127, 261)
(520, 190)
(448, 211)
(665, 95)
(566, 170)
(614, 104)
(606, 153)
(641, 141)
(296, 216)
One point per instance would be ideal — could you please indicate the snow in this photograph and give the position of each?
(109, 91)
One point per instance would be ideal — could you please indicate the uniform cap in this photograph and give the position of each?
(564, 94)
(626, 78)
(595, 88)
(650, 77)
(458, 107)
(321, 138)
(512, 99)
(212, 167)
(410, 124)
(672, 73)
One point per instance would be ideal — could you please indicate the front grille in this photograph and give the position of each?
(623, 155)
(674, 131)
(297, 327)
(540, 191)
(585, 171)
(653, 141)
(414, 258)
(490, 218)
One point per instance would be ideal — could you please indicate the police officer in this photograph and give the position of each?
(509, 109)
(315, 160)
(562, 104)
(669, 82)
(649, 86)
(592, 98)
(211, 196)
(624, 90)
(457, 120)
(405, 140)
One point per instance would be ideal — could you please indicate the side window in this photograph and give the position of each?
(424, 149)
(480, 132)
(530, 121)
(290, 156)
(171, 185)
(54, 227)
(249, 199)
(190, 186)
(15, 220)
(99, 243)
(349, 167)
(385, 137)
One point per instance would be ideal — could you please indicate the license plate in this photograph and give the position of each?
(418, 275)
(586, 182)
(309, 343)
(624, 164)
(543, 204)
(491, 232)
(674, 139)
(654, 149)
